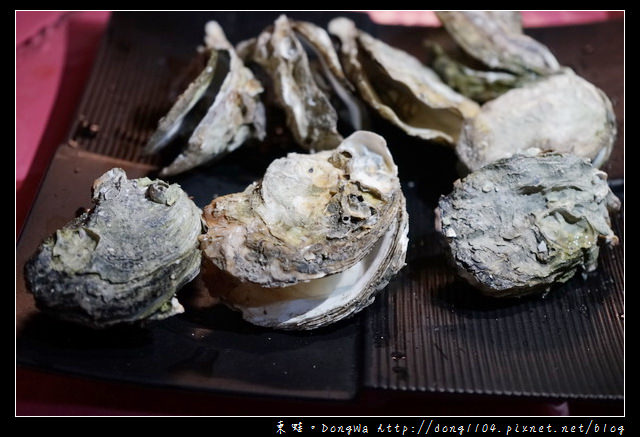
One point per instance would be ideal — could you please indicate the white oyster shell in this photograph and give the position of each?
(562, 112)
(314, 240)
(400, 87)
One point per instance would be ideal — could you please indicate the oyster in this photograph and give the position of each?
(314, 240)
(521, 224)
(478, 85)
(400, 87)
(122, 261)
(495, 38)
(562, 112)
(310, 115)
(235, 115)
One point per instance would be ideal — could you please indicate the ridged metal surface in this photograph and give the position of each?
(119, 109)
(432, 332)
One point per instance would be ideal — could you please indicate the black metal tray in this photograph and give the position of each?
(427, 331)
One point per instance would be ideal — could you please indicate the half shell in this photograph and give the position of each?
(339, 213)
(521, 224)
(400, 87)
(310, 115)
(235, 115)
(122, 261)
(562, 112)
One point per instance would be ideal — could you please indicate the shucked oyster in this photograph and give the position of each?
(235, 115)
(520, 224)
(496, 39)
(310, 115)
(400, 87)
(562, 112)
(314, 240)
(122, 261)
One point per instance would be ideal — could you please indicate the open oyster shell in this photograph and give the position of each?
(122, 261)
(310, 116)
(562, 112)
(235, 115)
(520, 224)
(400, 87)
(314, 240)
(496, 39)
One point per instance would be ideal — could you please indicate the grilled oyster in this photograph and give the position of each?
(235, 115)
(310, 116)
(400, 87)
(496, 39)
(122, 261)
(521, 224)
(562, 112)
(314, 240)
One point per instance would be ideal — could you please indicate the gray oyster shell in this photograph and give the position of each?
(399, 87)
(122, 261)
(314, 240)
(310, 116)
(523, 223)
(235, 115)
(496, 39)
(562, 112)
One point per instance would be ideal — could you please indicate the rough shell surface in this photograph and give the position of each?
(314, 240)
(122, 261)
(521, 224)
(310, 116)
(235, 115)
(562, 112)
(400, 87)
(494, 38)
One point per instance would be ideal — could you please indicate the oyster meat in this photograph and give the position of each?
(235, 115)
(496, 39)
(399, 87)
(122, 261)
(310, 116)
(562, 112)
(313, 241)
(523, 223)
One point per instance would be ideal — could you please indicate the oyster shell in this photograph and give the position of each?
(339, 213)
(562, 112)
(495, 38)
(235, 115)
(400, 87)
(122, 261)
(478, 85)
(310, 116)
(521, 224)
